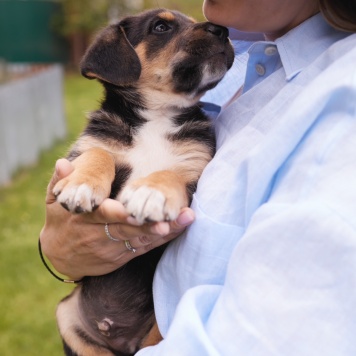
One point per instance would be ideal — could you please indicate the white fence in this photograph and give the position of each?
(31, 119)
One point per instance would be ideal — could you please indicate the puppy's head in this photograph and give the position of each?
(168, 57)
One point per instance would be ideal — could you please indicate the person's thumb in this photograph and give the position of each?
(185, 218)
(63, 169)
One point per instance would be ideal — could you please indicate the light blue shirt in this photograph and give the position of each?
(269, 265)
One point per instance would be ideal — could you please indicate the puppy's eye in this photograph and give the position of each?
(161, 26)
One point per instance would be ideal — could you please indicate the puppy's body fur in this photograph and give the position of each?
(146, 146)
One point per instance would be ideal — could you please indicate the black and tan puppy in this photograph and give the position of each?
(146, 146)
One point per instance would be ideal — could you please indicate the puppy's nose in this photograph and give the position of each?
(216, 30)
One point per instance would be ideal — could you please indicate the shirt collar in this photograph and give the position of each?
(303, 44)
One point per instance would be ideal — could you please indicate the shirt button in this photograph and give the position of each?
(260, 69)
(270, 50)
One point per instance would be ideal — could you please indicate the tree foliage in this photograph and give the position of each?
(86, 16)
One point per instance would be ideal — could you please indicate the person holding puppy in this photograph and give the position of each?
(269, 265)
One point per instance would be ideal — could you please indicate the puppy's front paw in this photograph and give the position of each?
(146, 204)
(79, 197)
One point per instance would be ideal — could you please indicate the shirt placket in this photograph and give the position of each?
(263, 60)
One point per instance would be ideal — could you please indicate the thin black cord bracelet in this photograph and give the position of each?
(50, 271)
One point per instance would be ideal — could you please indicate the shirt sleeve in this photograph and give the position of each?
(290, 290)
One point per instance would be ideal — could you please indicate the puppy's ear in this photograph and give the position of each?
(111, 58)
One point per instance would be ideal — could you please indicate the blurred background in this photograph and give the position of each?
(43, 102)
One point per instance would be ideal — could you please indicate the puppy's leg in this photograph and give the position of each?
(153, 337)
(75, 339)
(157, 197)
(90, 182)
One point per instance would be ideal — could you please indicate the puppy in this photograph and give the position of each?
(146, 146)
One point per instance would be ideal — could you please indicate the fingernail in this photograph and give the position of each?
(161, 228)
(56, 169)
(185, 218)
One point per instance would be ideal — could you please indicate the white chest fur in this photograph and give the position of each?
(152, 151)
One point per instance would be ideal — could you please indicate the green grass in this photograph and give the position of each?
(28, 293)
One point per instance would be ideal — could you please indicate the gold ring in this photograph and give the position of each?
(129, 247)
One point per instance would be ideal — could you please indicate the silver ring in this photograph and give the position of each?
(107, 232)
(129, 247)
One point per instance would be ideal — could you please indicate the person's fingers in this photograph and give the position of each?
(145, 233)
(154, 234)
(184, 219)
(162, 229)
(114, 213)
(109, 211)
(147, 236)
(63, 169)
(160, 233)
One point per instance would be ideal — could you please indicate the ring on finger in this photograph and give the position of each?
(129, 247)
(107, 232)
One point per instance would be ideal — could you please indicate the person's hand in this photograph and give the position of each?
(78, 246)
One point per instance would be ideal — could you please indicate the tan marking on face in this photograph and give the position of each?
(156, 79)
(141, 51)
(166, 15)
(156, 72)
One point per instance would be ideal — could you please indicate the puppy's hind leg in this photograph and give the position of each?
(76, 340)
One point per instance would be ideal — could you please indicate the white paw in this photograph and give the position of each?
(147, 204)
(78, 198)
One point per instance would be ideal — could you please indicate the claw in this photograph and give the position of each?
(94, 206)
(78, 209)
(65, 205)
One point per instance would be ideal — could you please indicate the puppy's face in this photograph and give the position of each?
(166, 56)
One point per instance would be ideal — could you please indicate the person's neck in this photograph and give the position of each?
(272, 36)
